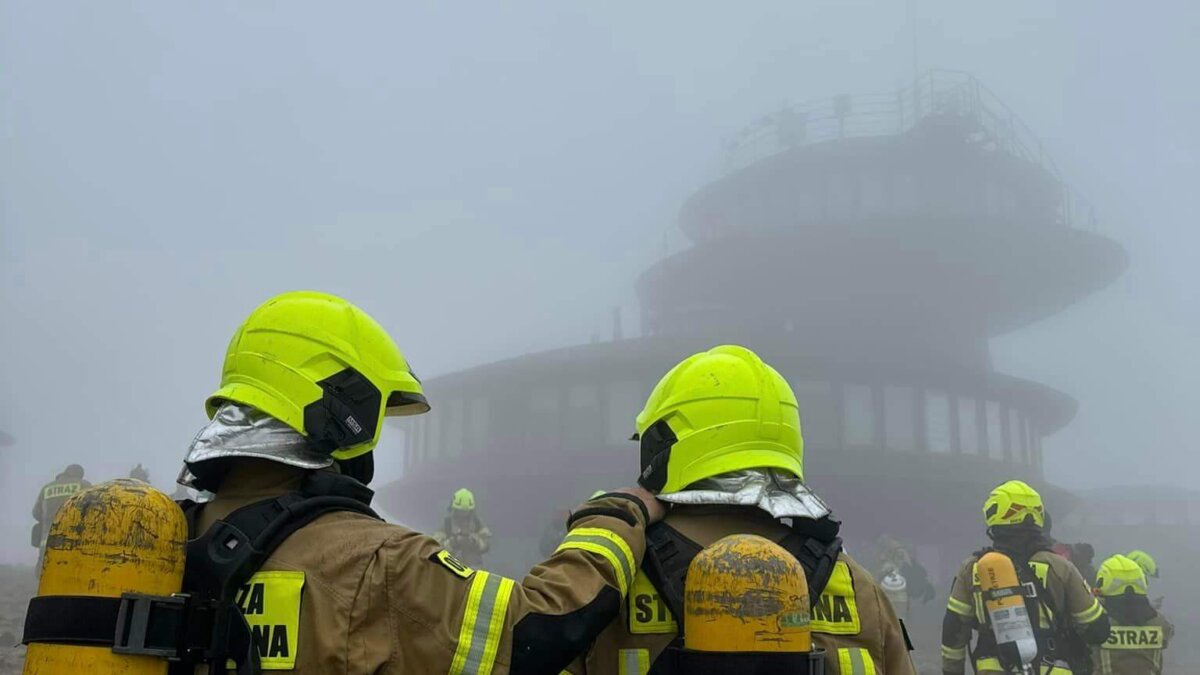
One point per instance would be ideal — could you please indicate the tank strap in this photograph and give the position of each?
(203, 624)
(752, 663)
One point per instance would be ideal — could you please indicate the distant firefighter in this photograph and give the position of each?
(1139, 634)
(463, 533)
(50, 499)
(1149, 568)
(1067, 621)
(895, 558)
(140, 472)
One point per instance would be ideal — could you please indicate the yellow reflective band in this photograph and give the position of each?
(959, 654)
(633, 661)
(270, 601)
(61, 490)
(478, 641)
(988, 664)
(1134, 637)
(855, 661)
(836, 611)
(607, 545)
(960, 608)
(648, 614)
(1090, 614)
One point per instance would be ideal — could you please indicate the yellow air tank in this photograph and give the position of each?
(746, 594)
(1004, 600)
(118, 537)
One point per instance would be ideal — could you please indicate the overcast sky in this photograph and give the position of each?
(488, 179)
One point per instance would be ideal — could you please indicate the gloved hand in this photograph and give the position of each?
(655, 510)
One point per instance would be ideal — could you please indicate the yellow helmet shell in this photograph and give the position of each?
(1144, 561)
(1119, 575)
(1014, 503)
(322, 366)
(464, 500)
(718, 411)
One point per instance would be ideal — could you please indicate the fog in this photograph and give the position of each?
(489, 181)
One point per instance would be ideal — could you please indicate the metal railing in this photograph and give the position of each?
(936, 93)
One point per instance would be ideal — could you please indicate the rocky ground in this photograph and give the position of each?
(17, 584)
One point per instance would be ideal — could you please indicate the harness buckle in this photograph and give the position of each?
(150, 625)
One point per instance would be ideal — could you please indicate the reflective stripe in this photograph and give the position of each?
(1105, 663)
(607, 545)
(989, 664)
(855, 661)
(953, 654)
(1090, 614)
(633, 662)
(960, 608)
(479, 640)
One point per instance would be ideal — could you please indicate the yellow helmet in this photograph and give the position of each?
(464, 500)
(1119, 575)
(1014, 503)
(323, 367)
(718, 411)
(598, 493)
(1144, 561)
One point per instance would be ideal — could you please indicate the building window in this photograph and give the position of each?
(817, 412)
(545, 418)
(995, 432)
(858, 415)
(452, 431)
(1016, 436)
(625, 401)
(968, 426)
(477, 425)
(433, 437)
(937, 421)
(583, 417)
(900, 417)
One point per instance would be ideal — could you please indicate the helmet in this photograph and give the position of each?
(598, 493)
(73, 471)
(1014, 503)
(139, 472)
(323, 367)
(718, 411)
(1120, 575)
(464, 500)
(1145, 562)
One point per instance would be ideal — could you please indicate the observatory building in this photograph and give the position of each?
(866, 246)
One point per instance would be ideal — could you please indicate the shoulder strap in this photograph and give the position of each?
(224, 558)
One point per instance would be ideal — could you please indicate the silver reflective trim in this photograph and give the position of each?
(778, 493)
(857, 667)
(483, 625)
(241, 431)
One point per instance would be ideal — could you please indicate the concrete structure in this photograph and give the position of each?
(868, 247)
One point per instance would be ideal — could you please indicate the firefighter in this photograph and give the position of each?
(1139, 634)
(49, 500)
(293, 569)
(721, 442)
(1149, 568)
(140, 472)
(1068, 617)
(463, 533)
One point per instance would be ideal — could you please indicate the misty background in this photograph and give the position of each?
(489, 180)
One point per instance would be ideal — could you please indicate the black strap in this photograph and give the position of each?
(71, 619)
(752, 663)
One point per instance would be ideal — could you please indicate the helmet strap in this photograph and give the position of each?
(656, 445)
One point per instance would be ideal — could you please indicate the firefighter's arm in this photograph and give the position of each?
(1086, 612)
(956, 624)
(449, 618)
(896, 657)
(483, 539)
(37, 505)
(1168, 630)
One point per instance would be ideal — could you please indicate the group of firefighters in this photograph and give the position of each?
(287, 452)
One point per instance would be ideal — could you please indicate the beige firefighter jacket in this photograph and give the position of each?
(350, 594)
